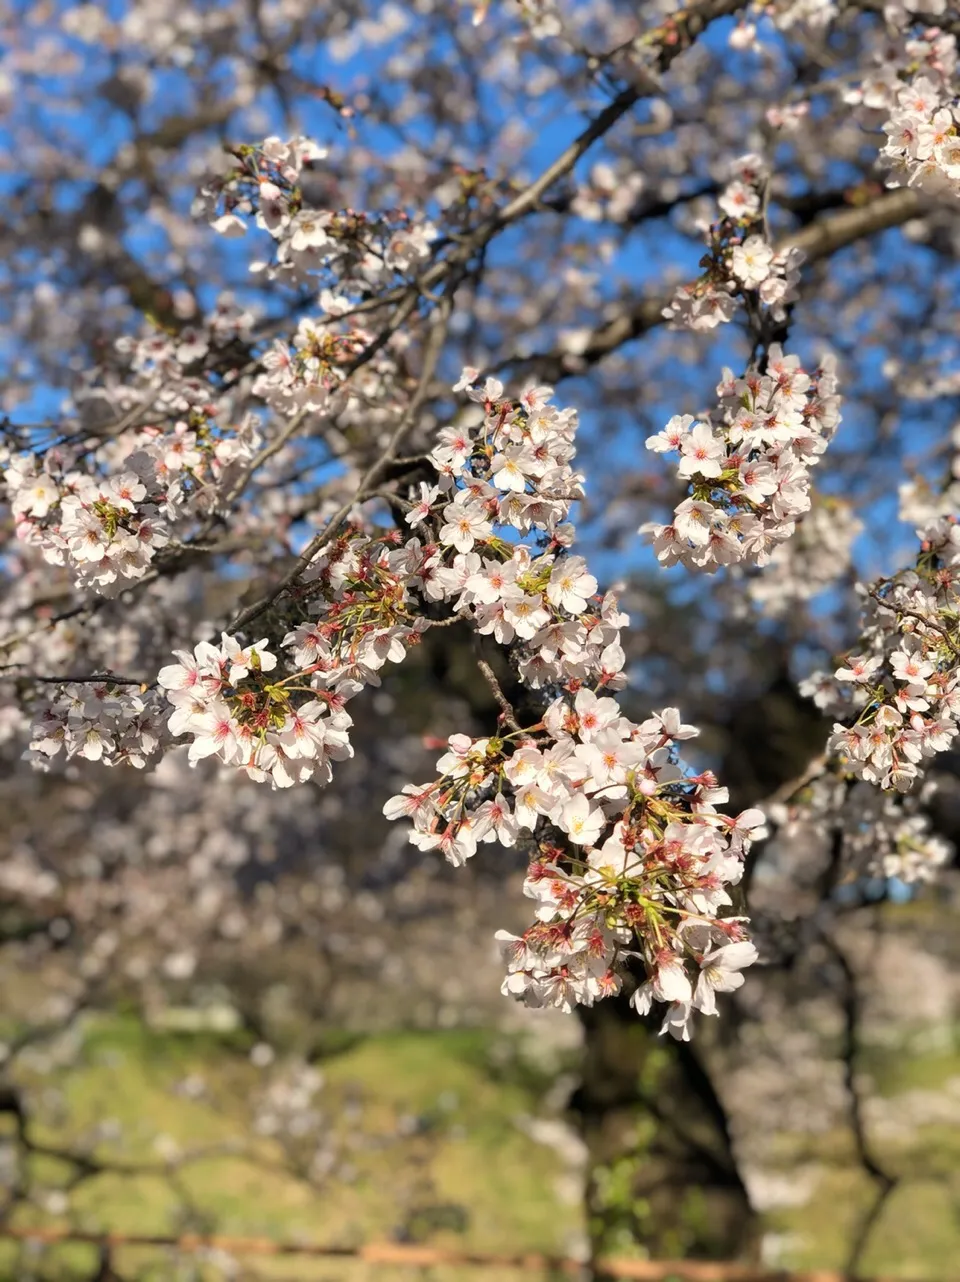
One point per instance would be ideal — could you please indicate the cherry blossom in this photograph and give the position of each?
(213, 441)
(905, 682)
(741, 267)
(748, 464)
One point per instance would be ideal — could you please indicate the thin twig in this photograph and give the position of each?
(371, 476)
(507, 714)
(94, 678)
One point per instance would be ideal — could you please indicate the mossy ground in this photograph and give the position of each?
(427, 1128)
(917, 1234)
(429, 1135)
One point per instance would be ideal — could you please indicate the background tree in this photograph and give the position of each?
(248, 252)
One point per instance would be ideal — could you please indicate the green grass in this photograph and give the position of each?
(918, 1233)
(435, 1150)
(897, 1069)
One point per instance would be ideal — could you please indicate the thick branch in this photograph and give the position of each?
(819, 240)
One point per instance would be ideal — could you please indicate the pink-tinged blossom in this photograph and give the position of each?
(702, 453)
(671, 983)
(672, 437)
(466, 523)
(721, 972)
(581, 822)
(751, 262)
(899, 697)
(755, 454)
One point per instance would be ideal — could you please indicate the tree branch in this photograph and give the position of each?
(819, 240)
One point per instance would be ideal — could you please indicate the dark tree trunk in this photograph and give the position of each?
(662, 1173)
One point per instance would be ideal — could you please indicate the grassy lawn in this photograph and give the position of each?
(422, 1128)
(912, 1120)
(422, 1139)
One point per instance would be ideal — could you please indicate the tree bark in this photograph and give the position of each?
(662, 1172)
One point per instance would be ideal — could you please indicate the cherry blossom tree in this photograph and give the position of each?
(352, 339)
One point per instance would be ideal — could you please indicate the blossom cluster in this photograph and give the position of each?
(741, 267)
(368, 597)
(747, 466)
(163, 375)
(281, 185)
(273, 728)
(103, 721)
(108, 527)
(883, 835)
(631, 861)
(912, 99)
(904, 679)
(929, 54)
(931, 51)
(509, 474)
(923, 140)
(513, 472)
(368, 590)
(310, 373)
(160, 436)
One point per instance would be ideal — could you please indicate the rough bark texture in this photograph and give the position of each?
(662, 1171)
(663, 1174)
